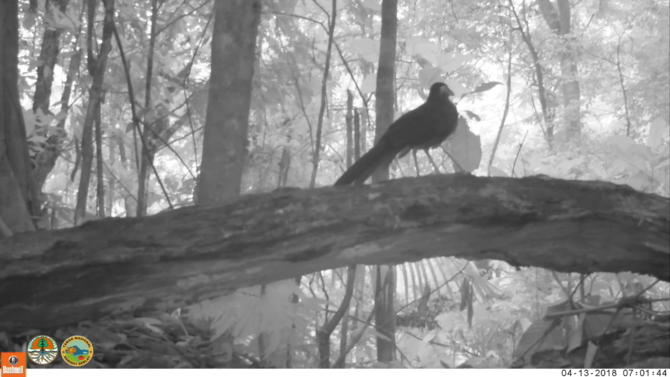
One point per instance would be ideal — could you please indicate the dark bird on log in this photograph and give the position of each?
(425, 127)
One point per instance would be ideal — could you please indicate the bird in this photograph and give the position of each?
(425, 127)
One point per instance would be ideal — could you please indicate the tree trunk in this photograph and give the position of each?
(18, 196)
(385, 312)
(97, 66)
(226, 127)
(151, 117)
(558, 20)
(48, 55)
(324, 95)
(386, 76)
(46, 159)
(385, 293)
(547, 104)
(349, 118)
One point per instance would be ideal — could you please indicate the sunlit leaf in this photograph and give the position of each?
(369, 84)
(374, 5)
(465, 147)
(657, 128)
(367, 48)
(452, 61)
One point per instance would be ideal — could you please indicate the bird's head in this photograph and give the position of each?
(440, 90)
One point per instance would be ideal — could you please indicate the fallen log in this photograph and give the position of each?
(169, 260)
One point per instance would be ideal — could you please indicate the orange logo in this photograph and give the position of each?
(42, 350)
(13, 364)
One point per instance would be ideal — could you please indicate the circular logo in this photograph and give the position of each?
(13, 360)
(76, 351)
(42, 350)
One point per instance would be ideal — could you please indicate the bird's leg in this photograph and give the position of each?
(437, 169)
(416, 163)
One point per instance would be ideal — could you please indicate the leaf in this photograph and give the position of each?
(465, 148)
(423, 48)
(39, 139)
(525, 323)
(470, 310)
(636, 155)
(664, 160)
(429, 75)
(374, 5)
(425, 352)
(367, 48)
(29, 20)
(541, 335)
(657, 129)
(661, 174)
(369, 84)
(451, 62)
(61, 115)
(63, 21)
(410, 347)
(29, 121)
(575, 335)
(465, 293)
(150, 323)
(129, 127)
(456, 87)
(472, 115)
(591, 351)
(486, 86)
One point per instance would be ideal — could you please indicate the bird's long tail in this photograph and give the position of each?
(381, 154)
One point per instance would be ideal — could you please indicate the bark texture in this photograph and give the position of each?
(96, 66)
(385, 293)
(112, 266)
(18, 197)
(226, 127)
(385, 93)
(558, 20)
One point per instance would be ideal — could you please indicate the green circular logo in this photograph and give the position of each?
(77, 351)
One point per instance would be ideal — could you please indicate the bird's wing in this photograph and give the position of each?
(414, 127)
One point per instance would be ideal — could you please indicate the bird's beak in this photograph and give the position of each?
(446, 91)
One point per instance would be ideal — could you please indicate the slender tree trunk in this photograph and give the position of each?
(46, 160)
(386, 76)
(99, 171)
(48, 55)
(96, 66)
(226, 127)
(147, 148)
(558, 19)
(129, 203)
(350, 132)
(547, 104)
(284, 166)
(323, 334)
(324, 95)
(384, 293)
(357, 135)
(111, 186)
(367, 30)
